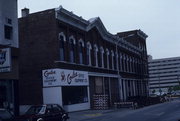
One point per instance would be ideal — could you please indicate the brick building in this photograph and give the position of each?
(73, 62)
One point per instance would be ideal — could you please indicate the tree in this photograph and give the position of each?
(153, 91)
(170, 89)
(175, 88)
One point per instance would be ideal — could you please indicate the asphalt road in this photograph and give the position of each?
(169, 111)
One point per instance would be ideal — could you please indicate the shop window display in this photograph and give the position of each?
(74, 95)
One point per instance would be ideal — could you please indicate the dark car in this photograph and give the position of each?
(5, 115)
(48, 112)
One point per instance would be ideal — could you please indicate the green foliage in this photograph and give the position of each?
(177, 87)
(170, 89)
(153, 91)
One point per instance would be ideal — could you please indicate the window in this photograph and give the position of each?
(62, 40)
(72, 49)
(88, 53)
(127, 63)
(116, 62)
(74, 95)
(99, 85)
(81, 46)
(120, 62)
(101, 58)
(107, 58)
(96, 55)
(112, 57)
(8, 32)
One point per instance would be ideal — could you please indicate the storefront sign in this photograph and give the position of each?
(62, 77)
(5, 60)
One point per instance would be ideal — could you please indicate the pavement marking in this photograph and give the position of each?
(159, 114)
(93, 115)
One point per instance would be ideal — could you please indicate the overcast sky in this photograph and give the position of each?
(159, 19)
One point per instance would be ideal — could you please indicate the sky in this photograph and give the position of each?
(159, 19)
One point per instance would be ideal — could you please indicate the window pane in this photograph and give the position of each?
(74, 95)
(62, 54)
(98, 85)
(8, 32)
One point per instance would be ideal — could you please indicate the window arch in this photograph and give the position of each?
(107, 58)
(96, 55)
(62, 39)
(72, 43)
(88, 53)
(101, 58)
(80, 50)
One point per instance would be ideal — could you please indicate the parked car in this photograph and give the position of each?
(48, 112)
(5, 115)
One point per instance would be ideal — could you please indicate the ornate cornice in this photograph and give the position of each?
(79, 22)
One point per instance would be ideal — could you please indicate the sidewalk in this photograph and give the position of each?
(86, 114)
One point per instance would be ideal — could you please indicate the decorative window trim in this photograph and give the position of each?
(62, 34)
(89, 45)
(72, 38)
(81, 41)
(95, 48)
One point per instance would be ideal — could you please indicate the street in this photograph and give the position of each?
(168, 111)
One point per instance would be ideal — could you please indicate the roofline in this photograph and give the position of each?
(87, 25)
(162, 59)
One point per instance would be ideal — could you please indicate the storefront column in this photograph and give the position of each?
(131, 84)
(121, 88)
(110, 98)
(134, 88)
(124, 90)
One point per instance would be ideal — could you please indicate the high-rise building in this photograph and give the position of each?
(164, 74)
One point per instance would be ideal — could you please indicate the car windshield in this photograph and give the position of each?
(5, 114)
(36, 110)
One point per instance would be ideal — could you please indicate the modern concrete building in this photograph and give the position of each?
(8, 23)
(9, 55)
(163, 74)
(77, 63)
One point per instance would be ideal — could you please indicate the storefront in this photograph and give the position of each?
(104, 90)
(69, 88)
(9, 80)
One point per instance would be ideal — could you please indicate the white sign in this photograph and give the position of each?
(63, 77)
(5, 60)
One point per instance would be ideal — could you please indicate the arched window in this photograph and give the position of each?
(80, 48)
(112, 59)
(107, 58)
(72, 43)
(101, 58)
(120, 62)
(88, 53)
(96, 55)
(62, 39)
(127, 63)
(116, 61)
